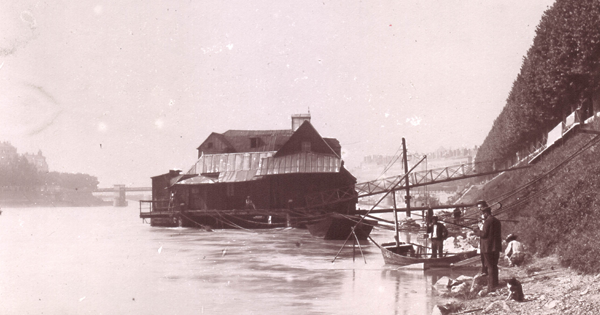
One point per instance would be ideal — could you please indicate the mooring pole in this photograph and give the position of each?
(396, 237)
(353, 246)
(407, 197)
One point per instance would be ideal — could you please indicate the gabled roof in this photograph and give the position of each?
(268, 140)
(219, 136)
(304, 132)
(239, 140)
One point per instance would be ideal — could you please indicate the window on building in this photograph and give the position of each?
(305, 146)
(254, 142)
(209, 145)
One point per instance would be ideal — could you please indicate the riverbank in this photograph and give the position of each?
(25, 199)
(548, 288)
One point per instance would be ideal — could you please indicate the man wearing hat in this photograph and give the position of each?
(491, 244)
(437, 232)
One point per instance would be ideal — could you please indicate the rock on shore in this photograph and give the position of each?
(548, 288)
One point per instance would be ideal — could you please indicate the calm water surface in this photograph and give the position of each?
(105, 260)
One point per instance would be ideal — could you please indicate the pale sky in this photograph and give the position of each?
(126, 90)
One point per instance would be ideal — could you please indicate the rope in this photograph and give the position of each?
(551, 171)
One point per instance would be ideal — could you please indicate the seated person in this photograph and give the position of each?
(515, 251)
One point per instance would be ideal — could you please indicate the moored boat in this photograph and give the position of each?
(338, 227)
(405, 254)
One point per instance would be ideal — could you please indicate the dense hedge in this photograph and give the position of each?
(559, 73)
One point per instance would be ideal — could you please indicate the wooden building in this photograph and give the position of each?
(275, 169)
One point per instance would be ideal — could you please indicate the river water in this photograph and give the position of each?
(105, 260)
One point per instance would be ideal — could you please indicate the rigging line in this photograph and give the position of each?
(427, 186)
(222, 221)
(387, 168)
(338, 253)
(194, 221)
(391, 163)
(228, 222)
(353, 219)
(256, 222)
(448, 222)
(526, 199)
(509, 194)
(393, 187)
(377, 203)
(552, 170)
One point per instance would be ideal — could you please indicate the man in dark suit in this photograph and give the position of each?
(491, 245)
(437, 232)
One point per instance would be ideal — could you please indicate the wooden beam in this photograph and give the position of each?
(462, 205)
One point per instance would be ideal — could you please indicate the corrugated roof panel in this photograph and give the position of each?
(314, 163)
(288, 164)
(251, 162)
(246, 161)
(255, 161)
(229, 162)
(300, 163)
(235, 167)
(207, 166)
(269, 166)
(238, 176)
(276, 166)
(197, 180)
(319, 165)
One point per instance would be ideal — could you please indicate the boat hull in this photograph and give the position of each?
(403, 259)
(339, 227)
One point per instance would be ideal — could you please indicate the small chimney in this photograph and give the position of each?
(174, 172)
(298, 120)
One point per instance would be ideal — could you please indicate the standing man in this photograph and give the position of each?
(249, 203)
(457, 215)
(491, 244)
(437, 232)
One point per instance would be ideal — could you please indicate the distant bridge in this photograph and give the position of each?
(122, 187)
(119, 192)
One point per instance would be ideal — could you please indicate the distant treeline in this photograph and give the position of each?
(559, 74)
(18, 173)
(439, 154)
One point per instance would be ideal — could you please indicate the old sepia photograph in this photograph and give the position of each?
(310, 157)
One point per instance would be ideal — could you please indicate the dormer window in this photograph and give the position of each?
(253, 142)
(305, 146)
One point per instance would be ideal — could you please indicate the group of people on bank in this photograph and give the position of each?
(490, 243)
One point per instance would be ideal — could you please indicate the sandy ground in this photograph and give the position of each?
(548, 288)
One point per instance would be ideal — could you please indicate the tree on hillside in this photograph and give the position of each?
(560, 72)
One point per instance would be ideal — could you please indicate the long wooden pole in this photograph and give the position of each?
(405, 159)
(397, 237)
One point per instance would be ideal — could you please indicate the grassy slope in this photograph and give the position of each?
(556, 203)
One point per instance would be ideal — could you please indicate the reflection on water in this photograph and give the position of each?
(105, 260)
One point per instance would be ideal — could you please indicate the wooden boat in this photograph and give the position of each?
(405, 254)
(339, 227)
